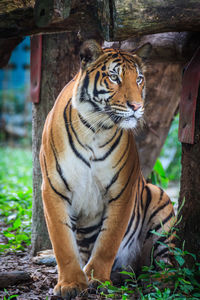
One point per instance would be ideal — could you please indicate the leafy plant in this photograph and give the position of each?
(158, 175)
(165, 281)
(8, 297)
(168, 166)
(171, 152)
(15, 197)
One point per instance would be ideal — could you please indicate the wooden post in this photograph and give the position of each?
(60, 62)
(189, 134)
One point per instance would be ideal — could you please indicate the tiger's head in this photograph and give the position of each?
(110, 87)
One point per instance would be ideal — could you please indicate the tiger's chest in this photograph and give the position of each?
(88, 176)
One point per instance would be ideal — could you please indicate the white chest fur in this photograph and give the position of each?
(87, 183)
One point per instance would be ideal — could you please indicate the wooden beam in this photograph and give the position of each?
(51, 11)
(154, 16)
(112, 20)
(50, 16)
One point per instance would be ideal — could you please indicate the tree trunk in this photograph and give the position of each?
(60, 62)
(162, 100)
(189, 229)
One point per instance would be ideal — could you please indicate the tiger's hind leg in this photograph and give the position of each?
(153, 212)
(156, 234)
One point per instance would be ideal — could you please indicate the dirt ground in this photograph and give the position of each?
(41, 283)
(42, 278)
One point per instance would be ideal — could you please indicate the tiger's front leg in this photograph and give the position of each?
(113, 229)
(71, 278)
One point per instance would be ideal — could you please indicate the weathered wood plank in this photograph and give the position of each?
(51, 11)
(50, 16)
(146, 16)
(112, 20)
(13, 277)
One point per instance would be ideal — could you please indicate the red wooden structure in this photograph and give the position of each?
(188, 103)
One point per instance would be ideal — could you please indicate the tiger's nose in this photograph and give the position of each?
(134, 105)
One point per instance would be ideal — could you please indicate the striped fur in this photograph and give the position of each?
(99, 210)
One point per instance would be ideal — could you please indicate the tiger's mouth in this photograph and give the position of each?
(117, 119)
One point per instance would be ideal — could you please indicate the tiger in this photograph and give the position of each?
(99, 209)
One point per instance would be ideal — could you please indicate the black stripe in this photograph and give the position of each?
(115, 177)
(87, 252)
(110, 140)
(76, 152)
(95, 91)
(117, 105)
(84, 87)
(124, 153)
(117, 60)
(168, 255)
(58, 167)
(73, 228)
(115, 55)
(117, 65)
(73, 218)
(95, 106)
(87, 241)
(148, 201)
(105, 127)
(157, 227)
(85, 123)
(53, 188)
(114, 145)
(106, 83)
(161, 194)
(158, 210)
(96, 67)
(162, 252)
(74, 132)
(115, 263)
(125, 186)
(90, 229)
(162, 239)
(131, 238)
(108, 99)
(164, 221)
(131, 220)
(141, 196)
(115, 118)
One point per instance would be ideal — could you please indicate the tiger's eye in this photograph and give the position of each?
(139, 80)
(113, 77)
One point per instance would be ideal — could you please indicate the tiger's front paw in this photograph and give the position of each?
(70, 290)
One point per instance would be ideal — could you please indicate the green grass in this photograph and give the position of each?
(16, 197)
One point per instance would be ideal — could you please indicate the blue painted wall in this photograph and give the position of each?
(17, 74)
(15, 107)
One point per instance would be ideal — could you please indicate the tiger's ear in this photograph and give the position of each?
(90, 51)
(144, 51)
